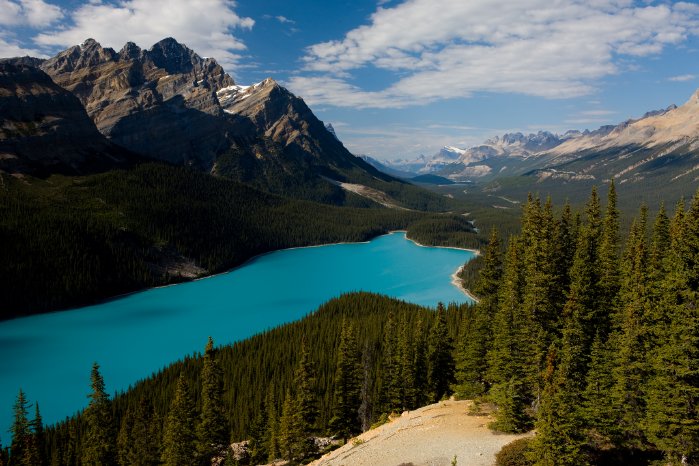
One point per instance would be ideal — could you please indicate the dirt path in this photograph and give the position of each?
(429, 436)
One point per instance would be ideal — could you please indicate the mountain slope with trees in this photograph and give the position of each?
(74, 240)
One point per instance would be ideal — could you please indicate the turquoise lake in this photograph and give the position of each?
(50, 356)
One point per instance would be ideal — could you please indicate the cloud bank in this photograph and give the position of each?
(203, 25)
(455, 48)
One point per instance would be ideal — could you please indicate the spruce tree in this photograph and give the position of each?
(21, 432)
(304, 405)
(179, 447)
(138, 442)
(305, 386)
(257, 446)
(673, 392)
(476, 335)
(289, 432)
(272, 431)
(598, 411)
(420, 364)
(510, 300)
(346, 399)
(609, 257)
(632, 366)
(406, 367)
(37, 425)
(366, 406)
(390, 368)
(212, 430)
(560, 439)
(440, 362)
(124, 441)
(99, 439)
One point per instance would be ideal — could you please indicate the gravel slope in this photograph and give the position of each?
(431, 435)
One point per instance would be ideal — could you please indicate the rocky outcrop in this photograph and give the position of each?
(44, 129)
(160, 103)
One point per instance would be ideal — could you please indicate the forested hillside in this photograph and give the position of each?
(334, 372)
(593, 344)
(591, 340)
(72, 240)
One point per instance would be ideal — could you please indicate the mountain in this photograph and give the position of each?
(160, 103)
(44, 129)
(383, 167)
(167, 103)
(430, 178)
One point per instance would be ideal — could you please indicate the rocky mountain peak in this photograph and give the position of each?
(130, 51)
(173, 57)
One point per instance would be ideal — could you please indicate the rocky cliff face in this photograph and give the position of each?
(44, 129)
(159, 103)
(170, 104)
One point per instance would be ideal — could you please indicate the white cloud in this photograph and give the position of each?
(203, 25)
(9, 48)
(682, 78)
(455, 48)
(33, 13)
(284, 20)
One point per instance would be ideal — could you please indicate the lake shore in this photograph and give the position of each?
(456, 281)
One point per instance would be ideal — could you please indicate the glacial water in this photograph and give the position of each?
(50, 356)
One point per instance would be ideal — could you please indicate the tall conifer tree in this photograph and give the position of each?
(673, 392)
(440, 361)
(21, 432)
(99, 447)
(179, 437)
(347, 384)
(212, 430)
(476, 336)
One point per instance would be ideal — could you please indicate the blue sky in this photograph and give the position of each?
(403, 78)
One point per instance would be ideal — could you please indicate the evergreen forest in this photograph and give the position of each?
(589, 336)
(75, 240)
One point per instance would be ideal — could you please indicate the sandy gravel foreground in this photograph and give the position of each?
(428, 436)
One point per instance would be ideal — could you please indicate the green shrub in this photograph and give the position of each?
(515, 453)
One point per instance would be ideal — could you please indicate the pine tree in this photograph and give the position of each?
(632, 366)
(305, 386)
(258, 429)
(179, 448)
(420, 364)
(138, 442)
(37, 426)
(406, 367)
(609, 258)
(501, 355)
(476, 336)
(21, 432)
(673, 392)
(598, 407)
(272, 433)
(124, 441)
(366, 406)
(212, 430)
(511, 354)
(304, 404)
(289, 432)
(440, 362)
(560, 428)
(347, 385)
(390, 369)
(98, 445)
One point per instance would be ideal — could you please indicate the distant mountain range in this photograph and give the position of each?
(658, 149)
(97, 109)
